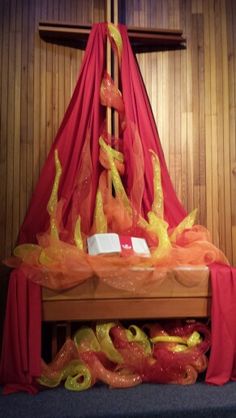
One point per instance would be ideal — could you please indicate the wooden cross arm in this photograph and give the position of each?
(142, 39)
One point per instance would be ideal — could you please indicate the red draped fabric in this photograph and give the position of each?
(138, 110)
(21, 351)
(84, 116)
(77, 142)
(222, 364)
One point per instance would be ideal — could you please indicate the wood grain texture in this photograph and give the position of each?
(192, 93)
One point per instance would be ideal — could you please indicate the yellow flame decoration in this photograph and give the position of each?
(24, 251)
(117, 155)
(134, 333)
(157, 206)
(85, 338)
(159, 227)
(77, 235)
(116, 180)
(100, 219)
(107, 346)
(187, 222)
(52, 203)
(76, 374)
(181, 344)
(116, 36)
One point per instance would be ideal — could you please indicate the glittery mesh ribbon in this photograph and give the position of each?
(125, 357)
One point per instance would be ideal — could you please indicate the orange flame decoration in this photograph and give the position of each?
(125, 357)
(57, 264)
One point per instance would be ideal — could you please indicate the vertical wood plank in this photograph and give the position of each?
(10, 127)
(4, 194)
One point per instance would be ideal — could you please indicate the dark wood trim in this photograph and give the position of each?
(142, 39)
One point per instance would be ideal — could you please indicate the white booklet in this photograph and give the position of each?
(111, 243)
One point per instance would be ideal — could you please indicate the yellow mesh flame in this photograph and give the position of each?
(160, 228)
(187, 222)
(77, 234)
(179, 343)
(107, 346)
(116, 180)
(157, 206)
(100, 220)
(52, 203)
(135, 334)
(76, 375)
(116, 36)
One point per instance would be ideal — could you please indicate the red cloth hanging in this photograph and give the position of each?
(138, 110)
(222, 362)
(84, 117)
(21, 349)
(20, 360)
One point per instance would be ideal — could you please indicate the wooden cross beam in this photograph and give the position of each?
(141, 39)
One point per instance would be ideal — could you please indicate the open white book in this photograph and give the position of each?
(111, 243)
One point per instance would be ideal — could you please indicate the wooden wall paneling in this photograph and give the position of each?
(15, 164)
(30, 12)
(219, 120)
(208, 126)
(10, 126)
(201, 127)
(226, 139)
(75, 54)
(55, 79)
(174, 22)
(68, 52)
(177, 124)
(214, 125)
(83, 12)
(233, 142)
(197, 6)
(24, 111)
(196, 109)
(171, 118)
(139, 20)
(43, 98)
(49, 75)
(173, 13)
(163, 106)
(133, 8)
(231, 36)
(98, 14)
(37, 97)
(159, 91)
(61, 63)
(4, 121)
(189, 107)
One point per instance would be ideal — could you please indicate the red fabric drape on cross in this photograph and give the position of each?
(20, 362)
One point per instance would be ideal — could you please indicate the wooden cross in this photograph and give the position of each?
(141, 39)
